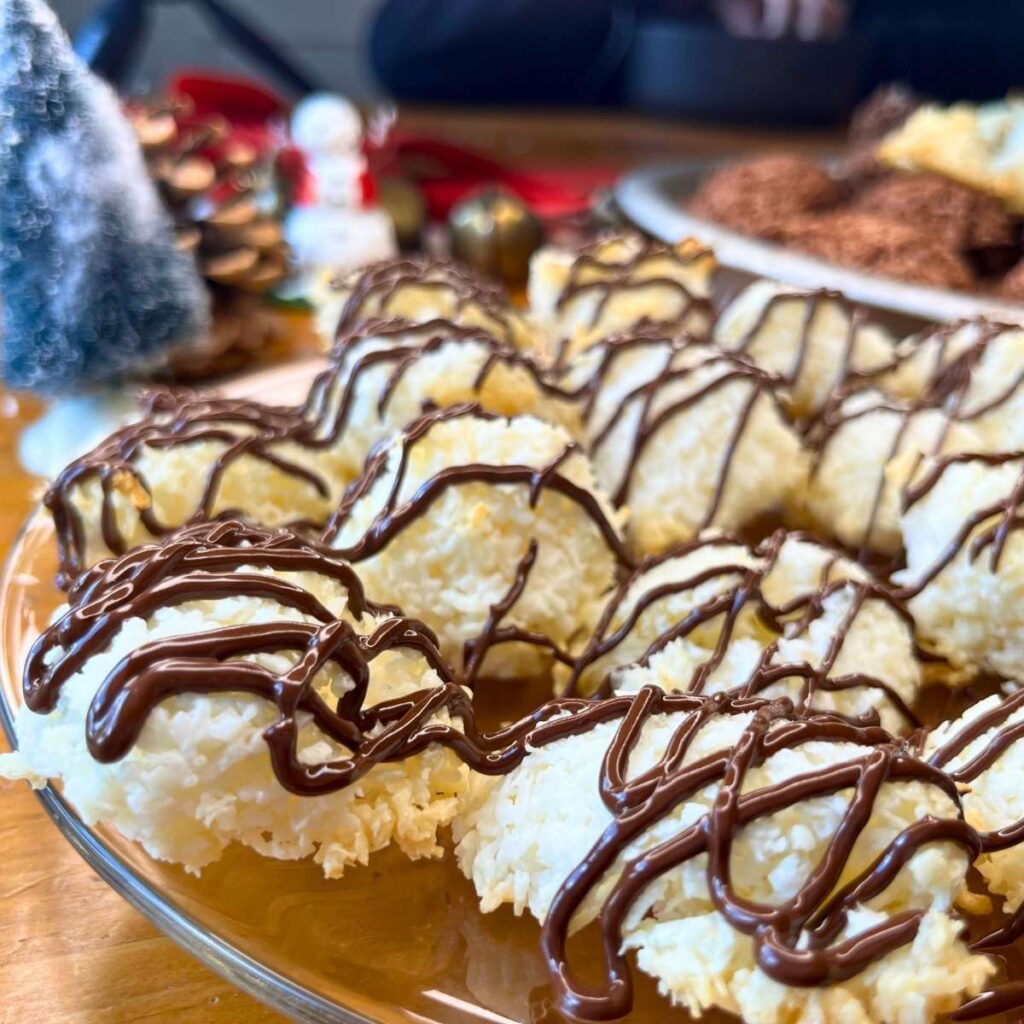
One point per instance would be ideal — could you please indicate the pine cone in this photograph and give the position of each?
(213, 201)
(243, 326)
(240, 249)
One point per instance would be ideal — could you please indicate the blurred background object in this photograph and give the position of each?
(112, 36)
(93, 281)
(211, 146)
(273, 181)
(496, 233)
(324, 41)
(787, 61)
(335, 222)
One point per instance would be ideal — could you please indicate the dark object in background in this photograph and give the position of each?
(675, 56)
(778, 19)
(696, 69)
(946, 49)
(112, 38)
(481, 51)
(590, 51)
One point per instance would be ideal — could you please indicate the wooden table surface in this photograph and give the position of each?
(71, 950)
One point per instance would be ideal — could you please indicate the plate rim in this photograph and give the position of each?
(645, 197)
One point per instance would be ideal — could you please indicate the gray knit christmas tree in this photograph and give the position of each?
(92, 284)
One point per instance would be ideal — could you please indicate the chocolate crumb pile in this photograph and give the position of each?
(880, 245)
(760, 196)
(912, 226)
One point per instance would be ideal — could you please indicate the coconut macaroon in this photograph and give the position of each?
(491, 530)
(220, 687)
(814, 340)
(391, 370)
(191, 459)
(923, 358)
(974, 370)
(982, 750)
(965, 559)
(579, 296)
(791, 616)
(684, 436)
(419, 289)
(866, 444)
(681, 599)
(723, 841)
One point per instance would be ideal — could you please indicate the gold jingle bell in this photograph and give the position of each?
(496, 233)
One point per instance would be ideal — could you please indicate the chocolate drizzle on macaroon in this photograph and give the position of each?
(171, 419)
(946, 392)
(1003, 517)
(837, 416)
(813, 301)
(796, 943)
(373, 290)
(1005, 734)
(742, 592)
(949, 384)
(593, 272)
(724, 367)
(397, 514)
(408, 343)
(251, 429)
(230, 560)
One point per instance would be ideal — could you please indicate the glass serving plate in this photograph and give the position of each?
(395, 941)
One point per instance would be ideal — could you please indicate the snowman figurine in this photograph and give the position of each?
(334, 227)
